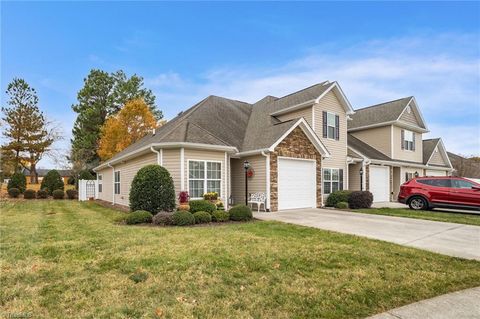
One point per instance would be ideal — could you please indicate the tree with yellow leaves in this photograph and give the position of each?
(131, 123)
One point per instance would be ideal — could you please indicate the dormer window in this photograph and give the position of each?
(408, 140)
(331, 126)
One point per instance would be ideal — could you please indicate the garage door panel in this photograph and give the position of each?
(380, 183)
(434, 173)
(296, 183)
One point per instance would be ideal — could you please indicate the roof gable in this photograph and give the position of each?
(434, 153)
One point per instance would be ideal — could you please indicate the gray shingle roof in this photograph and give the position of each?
(366, 149)
(43, 172)
(380, 113)
(428, 147)
(221, 121)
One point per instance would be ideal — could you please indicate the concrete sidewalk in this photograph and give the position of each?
(459, 305)
(455, 240)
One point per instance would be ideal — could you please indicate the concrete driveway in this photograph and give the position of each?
(445, 238)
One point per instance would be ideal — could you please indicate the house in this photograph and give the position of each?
(42, 172)
(300, 148)
(385, 144)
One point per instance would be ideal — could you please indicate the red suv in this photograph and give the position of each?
(447, 192)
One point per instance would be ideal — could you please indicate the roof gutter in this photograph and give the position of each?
(399, 123)
(254, 152)
(374, 161)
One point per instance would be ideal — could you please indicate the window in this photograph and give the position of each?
(204, 177)
(408, 140)
(459, 183)
(435, 182)
(100, 183)
(408, 176)
(332, 180)
(331, 125)
(117, 182)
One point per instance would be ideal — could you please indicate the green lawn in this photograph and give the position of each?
(440, 216)
(64, 259)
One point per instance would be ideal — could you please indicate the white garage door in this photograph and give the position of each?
(430, 172)
(380, 183)
(296, 183)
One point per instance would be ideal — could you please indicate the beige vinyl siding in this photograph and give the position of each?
(407, 169)
(406, 155)
(305, 113)
(379, 138)
(127, 173)
(337, 149)
(257, 183)
(354, 176)
(409, 117)
(171, 161)
(203, 155)
(107, 185)
(437, 159)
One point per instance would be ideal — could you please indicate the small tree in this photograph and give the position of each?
(19, 181)
(52, 181)
(152, 190)
(85, 174)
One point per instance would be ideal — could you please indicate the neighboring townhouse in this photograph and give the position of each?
(385, 148)
(42, 172)
(296, 146)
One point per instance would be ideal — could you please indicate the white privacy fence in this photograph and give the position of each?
(87, 189)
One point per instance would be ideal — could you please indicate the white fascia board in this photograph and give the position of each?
(310, 134)
(148, 148)
(252, 152)
(396, 122)
(293, 108)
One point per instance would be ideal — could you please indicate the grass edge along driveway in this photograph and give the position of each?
(435, 215)
(63, 259)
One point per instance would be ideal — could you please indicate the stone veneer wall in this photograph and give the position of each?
(295, 145)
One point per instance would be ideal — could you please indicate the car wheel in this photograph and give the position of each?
(418, 203)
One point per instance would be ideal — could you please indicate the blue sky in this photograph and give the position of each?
(186, 51)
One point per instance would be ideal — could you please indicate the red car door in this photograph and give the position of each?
(465, 192)
(438, 190)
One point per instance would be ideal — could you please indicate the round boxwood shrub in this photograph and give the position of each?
(341, 205)
(42, 194)
(29, 194)
(18, 181)
(202, 205)
(202, 217)
(152, 190)
(163, 218)
(58, 194)
(220, 216)
(72, 193)
(52, 181)
(139, 217)
(337, 197)
(360, 199)
(183, 218)
(13, 192)
(241, 213)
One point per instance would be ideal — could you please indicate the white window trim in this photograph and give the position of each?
(334, 127)
(100, 182)
(222, 170)
(331, 181)
(119, 182)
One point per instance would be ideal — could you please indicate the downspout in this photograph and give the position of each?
(158, 155)
(268, 179)
(321, 181)
(113, 183)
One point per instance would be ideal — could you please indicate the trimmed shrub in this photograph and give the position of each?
(13, 192)
(360, 199)
(341, 205)
(152, 190)
(201, 205)
(202, 217)
(29, 194)
(42, 194)
(184, 206)
(241, 213)
(52, 181)
(210, 196)
(183, 218)
(220, 216)
(163, 218)
(139, 217)
(219, 205)
(337, 197)
(18, 181)
(72, 193)
(58, 194)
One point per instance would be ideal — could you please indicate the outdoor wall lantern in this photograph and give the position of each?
(416, 174)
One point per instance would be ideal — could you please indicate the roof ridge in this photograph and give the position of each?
(379, 104)
(311, 86)
(226, 98)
